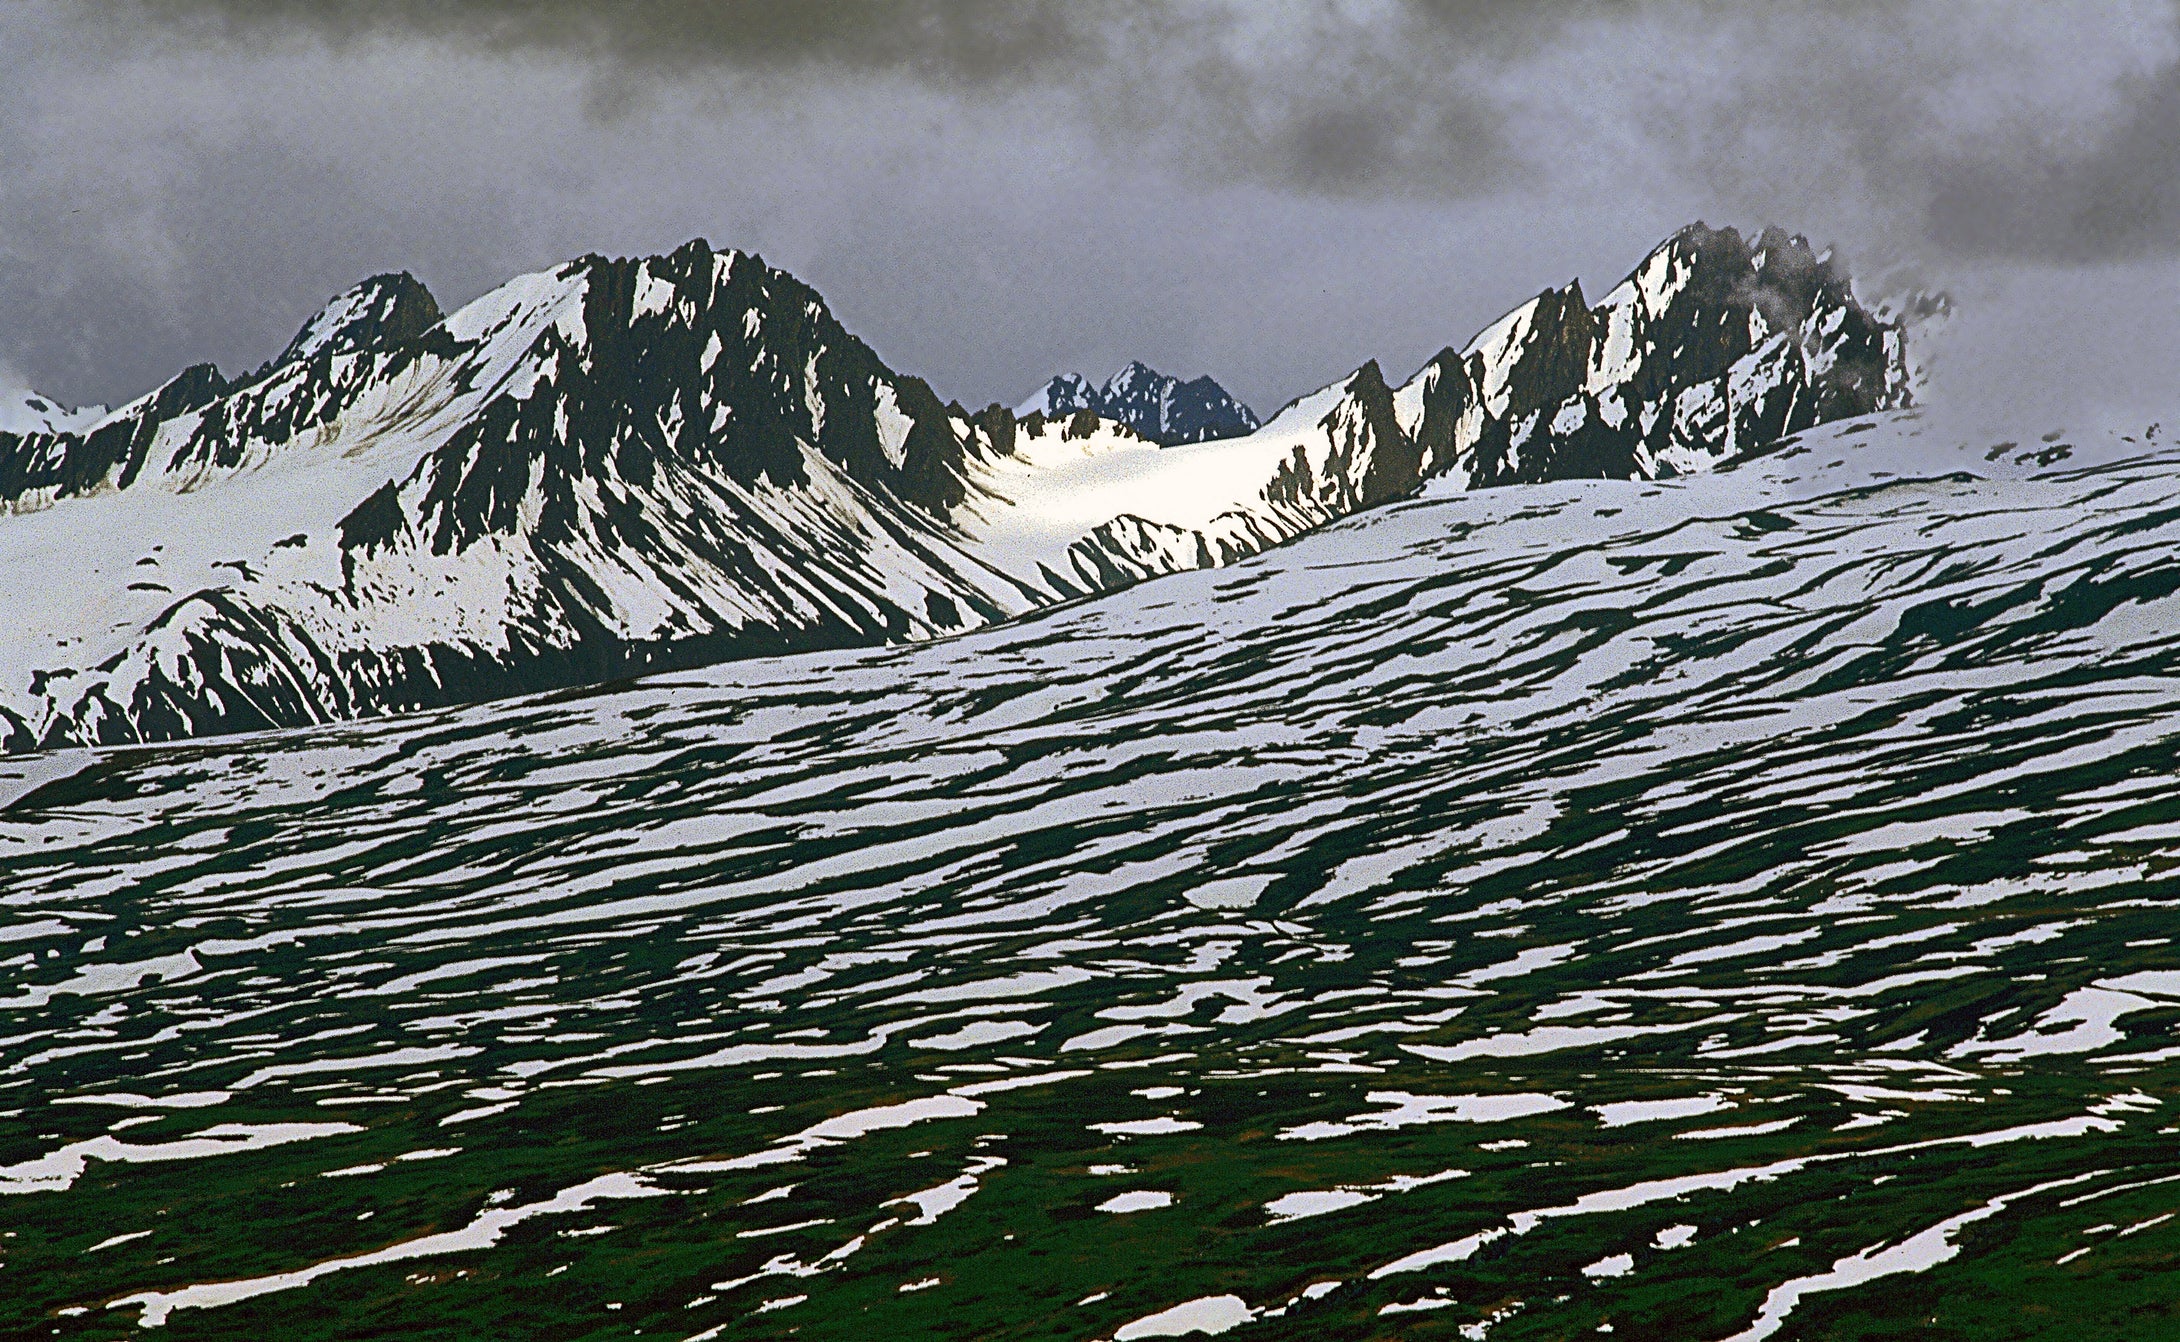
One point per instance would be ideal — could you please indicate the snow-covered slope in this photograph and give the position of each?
(1094, 507)
(23, 412)
(1162, 408)
(1735, 906)
(627, 465)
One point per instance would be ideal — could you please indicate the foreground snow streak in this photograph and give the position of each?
(1733, 908)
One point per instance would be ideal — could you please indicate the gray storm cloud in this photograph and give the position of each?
(1406, 96)
(993, 190)
(963, 42)
(1309, 94)
(2116, 196)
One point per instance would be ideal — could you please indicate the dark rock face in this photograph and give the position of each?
(1161, 408)
(679, 361)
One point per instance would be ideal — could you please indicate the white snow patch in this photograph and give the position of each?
(1212, 1314)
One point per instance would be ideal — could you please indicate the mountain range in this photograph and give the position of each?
(1163, 409)
(626, 465)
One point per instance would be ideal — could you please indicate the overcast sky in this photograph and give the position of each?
(991, 191)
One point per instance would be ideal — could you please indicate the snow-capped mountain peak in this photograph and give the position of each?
(1162, 408)
(383, 310)
(1714, 345)
(1137, 379)
(1065, 394)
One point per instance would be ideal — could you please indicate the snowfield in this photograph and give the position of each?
(1710, 907)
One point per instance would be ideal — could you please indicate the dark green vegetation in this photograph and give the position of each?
(1845, 818)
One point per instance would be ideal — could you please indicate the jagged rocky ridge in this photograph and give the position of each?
(1162, 408)
(1715, 346)
(628, 465)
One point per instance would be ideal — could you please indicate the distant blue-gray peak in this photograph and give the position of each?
(629, 465)
(1163, 409)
